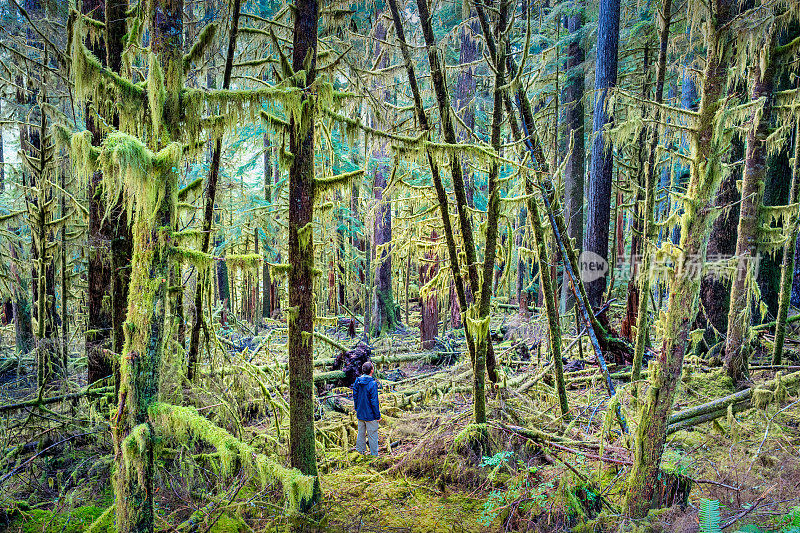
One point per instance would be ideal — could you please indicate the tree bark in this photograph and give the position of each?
(99, 334)
(146, 323)
(684, 284)
(574, 167)
(599, 190)
(755, 168)
(429, 304)
(302, 441)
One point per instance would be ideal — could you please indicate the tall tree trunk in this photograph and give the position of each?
(599, 192)
(465, 94)
(479, 321)
(109, 237)
(302, 441)
(441, 194)
(574, 167)
(755, 169)
(385, 316)
(650, 192)
(266, 300)
(134, 439)
(639, 215)
(122, 236)
(448, 131)
(788, 254)
(208, 214)
(99, 329)
(684, 284)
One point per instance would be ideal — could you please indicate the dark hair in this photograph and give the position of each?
(367, 367)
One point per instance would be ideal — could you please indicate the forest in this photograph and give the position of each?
(546, 252)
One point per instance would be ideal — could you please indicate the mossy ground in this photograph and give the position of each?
(427, 482)
(45, 521)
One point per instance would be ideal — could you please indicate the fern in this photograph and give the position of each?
(709, 516)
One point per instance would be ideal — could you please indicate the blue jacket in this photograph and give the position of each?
(365, 398)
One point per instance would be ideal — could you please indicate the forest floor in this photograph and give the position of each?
(431, 476)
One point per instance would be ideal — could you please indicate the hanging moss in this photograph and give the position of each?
(201, 44)
(183, 423)
(190, 188)
(244, 262)
(340, 181)
(195, 258)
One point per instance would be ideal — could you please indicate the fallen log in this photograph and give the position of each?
(687, 423)
(707, 411)
(55, 399)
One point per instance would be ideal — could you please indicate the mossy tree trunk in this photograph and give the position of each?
(755, 169)
(787, 269)
(638, 216)
(208, 210)
(385, 312)
(465, 97)
(301, 309)
(479, 322)
(650, 193)
(449, 134)
(547, 287)
(99, 334)
(134, 436)
(441, 194)
(707, 148)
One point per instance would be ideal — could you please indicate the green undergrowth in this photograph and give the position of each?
(382, 501)
(46, 521)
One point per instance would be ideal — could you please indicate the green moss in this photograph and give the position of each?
(361, 490)
(245, 261)
(471, 436)
(183, 423)
(193, 257)
(201, 44)
(44, 521)
(340, 181)
(190, 188)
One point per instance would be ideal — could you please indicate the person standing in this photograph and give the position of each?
(365, 400)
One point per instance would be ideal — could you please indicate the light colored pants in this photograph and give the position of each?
(370, 430)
